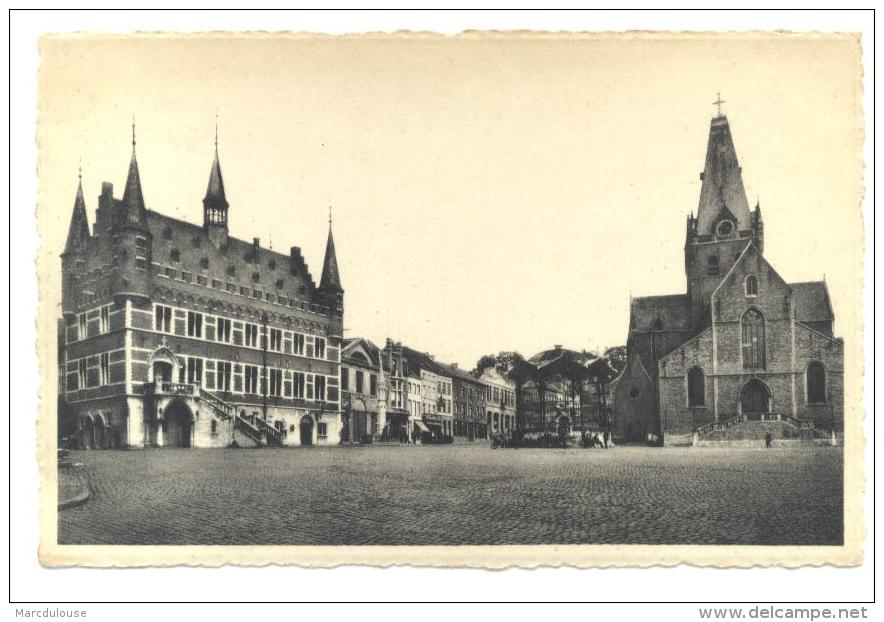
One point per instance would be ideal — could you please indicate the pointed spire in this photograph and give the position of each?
(215, 198)
(133, 199)
(78, 230)
(758, 210)
(331, 278)
(722, 193)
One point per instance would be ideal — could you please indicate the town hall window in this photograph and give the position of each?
(82, 326)
(753, 339)
(252, 335)
(251, 377)
(276, 340)
(163, 319)
(194, 324)
(696, 387)
(751, 286)
(223, 329)
(320, 347)
(224, 373)
(105, 319)
(712, 265)
(816, 383)
(194, 370)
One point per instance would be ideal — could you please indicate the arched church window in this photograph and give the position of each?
(204, 263)
(657, 337)
(751, 285)
(175, 254)
(167, 233)
(696, 387)
(712, 265)
(753, 339)
(816, 383)
(231, 270)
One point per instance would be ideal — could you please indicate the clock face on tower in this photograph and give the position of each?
(725, 227)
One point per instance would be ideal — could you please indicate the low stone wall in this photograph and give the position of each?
(779, 443)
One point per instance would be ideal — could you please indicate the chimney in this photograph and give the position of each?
(256, 243)
(558, 346)
(454, 366)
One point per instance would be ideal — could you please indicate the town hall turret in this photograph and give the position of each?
(179, 334)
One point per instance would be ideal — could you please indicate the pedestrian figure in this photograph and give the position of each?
(607, 437)
(768, 440)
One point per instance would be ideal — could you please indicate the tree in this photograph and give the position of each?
(617, 356)
(503, 361)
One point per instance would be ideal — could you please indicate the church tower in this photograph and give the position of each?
(724, 224)
(215, 203)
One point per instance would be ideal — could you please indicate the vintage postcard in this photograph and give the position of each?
(487, 300)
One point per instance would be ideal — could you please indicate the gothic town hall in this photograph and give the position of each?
(742, 352)
(178, 334)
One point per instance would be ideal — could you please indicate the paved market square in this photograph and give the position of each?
(458, 495)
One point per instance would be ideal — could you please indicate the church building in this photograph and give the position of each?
(177, 334)
(742, 348)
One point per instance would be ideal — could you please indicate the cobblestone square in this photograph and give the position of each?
(422, 495)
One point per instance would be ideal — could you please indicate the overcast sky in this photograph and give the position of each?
(487, 194)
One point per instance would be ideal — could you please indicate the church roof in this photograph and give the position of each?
(811, 301)
(78, 231)
(722, 186)
(331, 278)
(673, 312)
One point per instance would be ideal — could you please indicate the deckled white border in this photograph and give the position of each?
(730, 21)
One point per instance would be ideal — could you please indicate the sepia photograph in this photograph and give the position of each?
(413, 298)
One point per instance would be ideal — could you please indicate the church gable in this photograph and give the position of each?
(751, 283)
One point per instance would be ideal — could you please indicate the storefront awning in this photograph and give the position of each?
(421, 426)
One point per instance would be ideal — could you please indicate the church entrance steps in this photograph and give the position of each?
(788, 443)
(747, 430)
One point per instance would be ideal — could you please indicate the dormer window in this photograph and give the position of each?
(725, 227)
(751, 285)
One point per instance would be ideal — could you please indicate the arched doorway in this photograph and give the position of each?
(178, 425)
(564, 426)
(86, 432)
(306, 430)
(754, 398)
(100, 433)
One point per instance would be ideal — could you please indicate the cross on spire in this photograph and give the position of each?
(216, 133)
(133, 132)
(718, 102)
(329, 215)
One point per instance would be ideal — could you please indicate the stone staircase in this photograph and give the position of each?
(260, 432)
(753, 429)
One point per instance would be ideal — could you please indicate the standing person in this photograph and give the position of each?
(607, 437)
(768, 440)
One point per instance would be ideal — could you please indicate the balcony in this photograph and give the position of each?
(181, 389)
